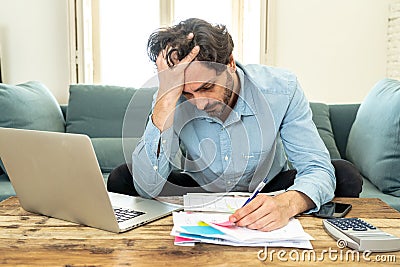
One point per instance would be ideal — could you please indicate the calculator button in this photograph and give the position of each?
(359, 229)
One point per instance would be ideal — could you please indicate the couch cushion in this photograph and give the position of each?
(321, 118)
(30, 106)
(369, 190)
(99, 111)
(374, 139)
(111, 152)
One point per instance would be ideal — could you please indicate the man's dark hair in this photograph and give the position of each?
(215, 42)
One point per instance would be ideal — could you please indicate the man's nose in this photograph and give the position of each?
(200, 102)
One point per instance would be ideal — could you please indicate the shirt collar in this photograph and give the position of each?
(245, 105)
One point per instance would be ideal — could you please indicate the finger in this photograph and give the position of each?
(192, 55)
(174, 57)
(244, 211)
(263, 209)
(190, 36)
(161, 64)
(254, 218)
(160, 61)
(263, 222)
(269, 226)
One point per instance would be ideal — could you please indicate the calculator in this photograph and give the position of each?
(360, 235)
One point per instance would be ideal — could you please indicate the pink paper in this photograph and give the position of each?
(225, 224)
(183, 239)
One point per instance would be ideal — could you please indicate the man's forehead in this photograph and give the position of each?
(202, 71)
(197, 72)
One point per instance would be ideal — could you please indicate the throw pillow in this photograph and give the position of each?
(322, 120)
(374, 140)
(30, 106)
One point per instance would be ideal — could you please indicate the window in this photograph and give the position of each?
(215, 12)
(242, 18)
(124, 27)
(119, 31)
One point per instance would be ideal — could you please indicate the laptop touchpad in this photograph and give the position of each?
(123, 200)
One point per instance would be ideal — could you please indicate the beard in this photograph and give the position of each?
(218, 108)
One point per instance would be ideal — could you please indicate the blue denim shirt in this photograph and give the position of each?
(270, 125)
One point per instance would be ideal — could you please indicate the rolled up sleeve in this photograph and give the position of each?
(307, 152)
(150, 163)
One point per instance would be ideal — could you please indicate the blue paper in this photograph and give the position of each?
(202, 230)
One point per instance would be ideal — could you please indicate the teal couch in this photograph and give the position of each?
(106, 113)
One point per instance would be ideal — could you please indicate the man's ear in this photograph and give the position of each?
(232, 64)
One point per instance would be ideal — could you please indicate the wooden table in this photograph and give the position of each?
(30, 239)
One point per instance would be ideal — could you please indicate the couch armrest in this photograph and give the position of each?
(342, 117)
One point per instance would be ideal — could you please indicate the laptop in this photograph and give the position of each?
(57, 175)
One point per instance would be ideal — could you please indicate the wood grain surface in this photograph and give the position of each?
(28, 239)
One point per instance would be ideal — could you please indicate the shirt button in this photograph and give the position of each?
(164, 141)
(226, 158)
(155, 168)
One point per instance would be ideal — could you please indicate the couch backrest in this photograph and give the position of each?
(321, 118)
(99, 111)
(102, 112)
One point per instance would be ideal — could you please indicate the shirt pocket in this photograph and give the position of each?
(252, 160)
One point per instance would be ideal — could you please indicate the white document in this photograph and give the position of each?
(211, 203)
(198, 227)
(218, 202)
(292, 231)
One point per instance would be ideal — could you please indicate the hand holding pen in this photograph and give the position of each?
(256, 191)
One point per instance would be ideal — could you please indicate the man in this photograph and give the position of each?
(236, 125)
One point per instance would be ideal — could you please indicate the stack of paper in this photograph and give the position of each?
(210, 224)
(193, 227)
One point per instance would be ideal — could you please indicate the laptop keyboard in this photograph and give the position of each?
(126, 214)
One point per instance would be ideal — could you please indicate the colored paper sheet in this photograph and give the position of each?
(225, 224)
(202, 230)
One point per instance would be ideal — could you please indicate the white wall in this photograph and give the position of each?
(337, 48)
(34, 43)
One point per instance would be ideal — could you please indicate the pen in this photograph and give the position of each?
(255, 193)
